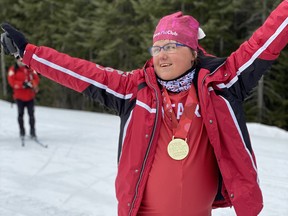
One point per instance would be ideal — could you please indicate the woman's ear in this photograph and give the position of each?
(195, 54)
(194, 60)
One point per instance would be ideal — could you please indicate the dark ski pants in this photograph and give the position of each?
(30, 108)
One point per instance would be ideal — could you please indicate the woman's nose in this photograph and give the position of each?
(162, 54)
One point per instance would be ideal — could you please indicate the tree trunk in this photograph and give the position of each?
(260, 90)
(3, 72)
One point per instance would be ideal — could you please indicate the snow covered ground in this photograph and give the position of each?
(75, 175)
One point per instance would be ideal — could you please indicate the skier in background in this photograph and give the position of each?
(24, 82)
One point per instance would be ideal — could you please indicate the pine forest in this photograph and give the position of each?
(117, 33)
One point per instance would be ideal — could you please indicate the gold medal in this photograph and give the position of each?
(178, 149)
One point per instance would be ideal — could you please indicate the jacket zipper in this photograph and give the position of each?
(149, 146)
(210, 74)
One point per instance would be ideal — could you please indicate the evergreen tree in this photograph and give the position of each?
(117, 33)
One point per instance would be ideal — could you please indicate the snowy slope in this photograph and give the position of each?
(75, 175)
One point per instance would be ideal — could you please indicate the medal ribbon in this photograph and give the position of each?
(181, 128)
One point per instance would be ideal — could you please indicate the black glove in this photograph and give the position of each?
(13, 41)
(27, 84)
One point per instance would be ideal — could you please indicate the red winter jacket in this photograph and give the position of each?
(222, 85)
(17, 76)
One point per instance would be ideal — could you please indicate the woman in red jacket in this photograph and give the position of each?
(184, 147)
(24, 83)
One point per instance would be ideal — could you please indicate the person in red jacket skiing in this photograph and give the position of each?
(184, 147)
(24, 82)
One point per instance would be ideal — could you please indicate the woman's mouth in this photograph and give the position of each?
(165, 65)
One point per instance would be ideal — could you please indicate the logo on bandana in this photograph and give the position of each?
(168, 32)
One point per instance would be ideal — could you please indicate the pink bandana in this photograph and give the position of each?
(183, 29)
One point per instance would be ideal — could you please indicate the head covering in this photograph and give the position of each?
(181, 28)
(20, 63)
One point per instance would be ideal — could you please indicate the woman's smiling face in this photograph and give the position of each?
(169, 66)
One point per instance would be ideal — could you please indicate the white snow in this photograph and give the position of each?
(75, 175)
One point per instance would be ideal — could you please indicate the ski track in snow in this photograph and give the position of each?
(75, 175)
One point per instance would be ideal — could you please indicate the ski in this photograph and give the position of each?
(22, 141)
(39, 143)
